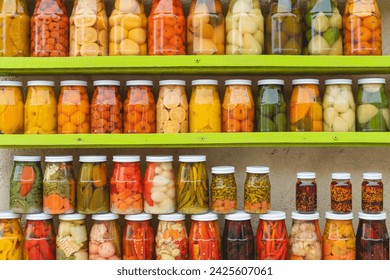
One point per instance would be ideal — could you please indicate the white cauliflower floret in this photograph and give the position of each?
(98, 232)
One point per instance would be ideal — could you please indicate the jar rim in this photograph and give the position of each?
(238, 216)
(342, 217)
(105, 217)
(192, 158)
(38, 217)
(139, 83)
(171, 217)
(257, 169)
(209, 216)
(341, 176)
(305, 81)
(27, 158)
(58, 158)
(273, 215)
(204, 82)
(40, 83)
(172, 82)
(9, 215)
(371, 81)
(11, 83)
(126, 158)
(307, 217)
(222, 169)
(74, 83)
(72, 217)
(306, 175)
(138, 217)
(372, 176)
(338, 82)
(106, 83)
(238, 82)
(159, 158)
(270, 82)
(93, 158)
(372, 217)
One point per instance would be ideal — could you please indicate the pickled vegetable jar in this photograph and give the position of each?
(171, 237)
(93, 190)
(305, 240)
(73, 108)
(106, 107)
(166, 28)
(205, 28)
(11, 236)
(138, 238)
(372, 193)
(39, 238)
(223, 190)
(192, 185)
(15, 28)
(271, 236)
(126, 186)
(11, 107)
(372, 106)
(26, 185)
(372, 238)
(305, 106)
(128, 28)
(139, 110)
(306, 193)
(339, 106)
(40, 108)
(59, 185)
(284, 28)
(257, 190)
(159, 185)
(362, 28)
(205, 106)
(172, 107)
(271, 107)
(238, 241)
(341, 193)
(205, 239)
(72, 238)
(339, 242)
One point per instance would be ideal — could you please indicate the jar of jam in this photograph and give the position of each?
(306, 193)
(192, 185)
(271, 236)
(106, 107)
(172, 107)
(341, 193)
(11, 107)
(339, 237)
(372, 238)
(39, 238)
(238, 241)
(257, 190)
(138, 237)
(171, 237)
(59, 185)
(372, 193)
(205, 106)
(139, 110)
(11, 236)
(26, 185)
(305, 240)
(205, 239)
(126, 186)
(223, 190)
(72, 237)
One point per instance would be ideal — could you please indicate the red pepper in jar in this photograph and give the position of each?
(148, 183)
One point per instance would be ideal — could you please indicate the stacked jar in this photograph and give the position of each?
(341, 193)
(223, 190)
(306, 193)
(11, 237)
(257, 190)
(11, 107)
(372, 193)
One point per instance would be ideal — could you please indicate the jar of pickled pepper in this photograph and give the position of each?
(11, 107)
(11, 236)
(372, 193)
(223, 190)
(306, 193)
(341, 193)
(257, 190)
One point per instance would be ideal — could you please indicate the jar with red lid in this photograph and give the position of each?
(11, 236)
(341, 193)
(306, 193)
(372, 193)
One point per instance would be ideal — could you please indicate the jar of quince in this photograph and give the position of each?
(11, 107)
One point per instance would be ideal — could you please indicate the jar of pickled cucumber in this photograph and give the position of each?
(223, 190)
(372, 193)
(11, 107)
(341, 193)
(257, 190)
(11, 236)
(306, 193)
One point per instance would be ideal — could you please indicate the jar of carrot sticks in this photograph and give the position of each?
(11, 237)
(257, 190)
(223, 190)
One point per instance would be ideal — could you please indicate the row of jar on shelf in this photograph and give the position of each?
(238, 111)
(319, 30)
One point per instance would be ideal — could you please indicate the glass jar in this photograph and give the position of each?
(26, 185)
(338, 106)
(257, 190)
(128, 28)
(49, 29)
(271, 236)
(106, 107)
(362, 28)
(339, 242)
(171, 237)
(11, 236)
(372, 106)
(172, 107)
(88, 29)
(93, 191)
(372, 238)
(40, 108)
(73, 108)
(205, 28)
(223, 190)
(372, 193)
(238, 108)
(15, 28)
(238, 241)
(11, 107)
(341, 193)
(205, 240)
(284, 28)
(166, 28)
(138, 238)
(126, 186)
(139, 108)
(205, 106)
(306, 193)
(305, 240)
(159, 185)
(271, 107)
(39, 238)
(72, 238)
(59, 185)
(305, 106)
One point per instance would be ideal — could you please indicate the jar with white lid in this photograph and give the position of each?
(306, 192)
(11, 107)
(223, 190)
(372, 193)
(257, 190)
(11, 237)
(341, 193)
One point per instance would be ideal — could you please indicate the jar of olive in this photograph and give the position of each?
(223, 190)
(257, 190)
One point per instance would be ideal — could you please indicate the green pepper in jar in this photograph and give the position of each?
(257, 190)
(223, 190)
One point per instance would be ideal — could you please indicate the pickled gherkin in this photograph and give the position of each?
(257, 190)
(223, 190)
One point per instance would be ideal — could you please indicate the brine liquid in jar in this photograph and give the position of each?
(372, 193)
(11, 236)
(223, 190)
(306, 193)
(11, 107)
(341, 193)
(257, 190)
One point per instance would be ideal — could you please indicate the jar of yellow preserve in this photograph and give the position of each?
(11, 107)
